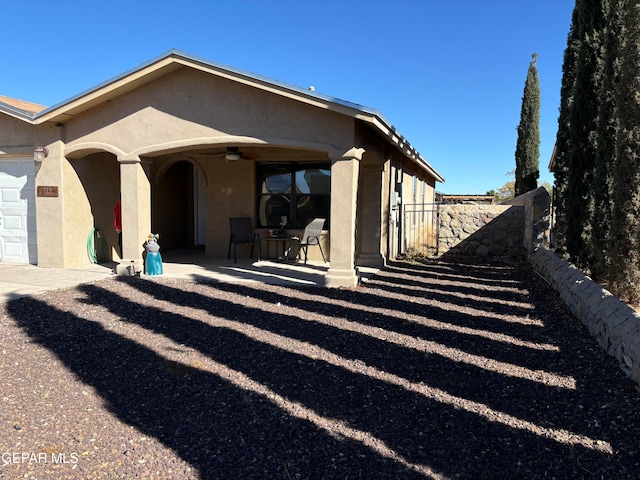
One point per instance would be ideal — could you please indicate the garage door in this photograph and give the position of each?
(17, 211)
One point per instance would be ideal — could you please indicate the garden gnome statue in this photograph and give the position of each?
(153, 260)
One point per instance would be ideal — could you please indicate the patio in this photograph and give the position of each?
(191, 264)
(18, 280)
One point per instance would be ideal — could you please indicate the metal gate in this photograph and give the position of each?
(420, 229)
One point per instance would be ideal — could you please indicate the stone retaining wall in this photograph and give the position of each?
(483, 230)
(521, 228)
(515, 229)
(537, 218)
(614, 324)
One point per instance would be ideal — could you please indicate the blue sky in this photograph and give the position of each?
(448, 75)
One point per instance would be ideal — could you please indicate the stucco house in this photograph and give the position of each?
(185, 144)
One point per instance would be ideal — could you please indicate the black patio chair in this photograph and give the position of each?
(311, 237)
(241, 234)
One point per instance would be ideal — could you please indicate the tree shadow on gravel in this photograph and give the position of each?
(506, 393)
(502, 293)
(224, 431)
(491, 301)
(440, 269)
(357, 310)
(395, 412)
(412, 318)
(499, 291)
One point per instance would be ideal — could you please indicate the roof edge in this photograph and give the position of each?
(17, 112)
(363, 113)
(102, 85)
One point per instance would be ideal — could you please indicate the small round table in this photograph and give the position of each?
(270, 240)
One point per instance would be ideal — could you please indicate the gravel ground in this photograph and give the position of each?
(441, 370)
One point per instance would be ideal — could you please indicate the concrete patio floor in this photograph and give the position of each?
(17, 280)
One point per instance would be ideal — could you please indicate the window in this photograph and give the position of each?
(298, 191)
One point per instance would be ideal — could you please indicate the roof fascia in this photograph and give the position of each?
(16, 112)
(360, 112)
(107, 90)
(174, 59)
(274, 86)
(401, 143)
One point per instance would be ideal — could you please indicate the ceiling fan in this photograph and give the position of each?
(233, 153)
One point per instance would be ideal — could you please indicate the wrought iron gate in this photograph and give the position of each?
(420, 229)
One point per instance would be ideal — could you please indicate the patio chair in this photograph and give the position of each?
(311, 237)
(241, 234)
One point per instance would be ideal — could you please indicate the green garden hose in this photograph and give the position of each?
(97, 253)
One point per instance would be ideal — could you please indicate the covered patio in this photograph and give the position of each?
(182, 145)
(192, 264)
(23, 280)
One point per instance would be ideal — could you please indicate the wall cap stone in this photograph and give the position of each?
(614, 324)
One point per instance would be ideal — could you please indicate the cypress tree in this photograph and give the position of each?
(528, 144)
(583, 125)
(606, 144)
(563, 140)
(625, 238)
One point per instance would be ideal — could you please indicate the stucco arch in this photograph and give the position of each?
(160, 168)
(183, 146)
(222, 141)
(88, 148)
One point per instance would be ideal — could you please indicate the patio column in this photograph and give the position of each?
(344, 196)
(135, 195)
(370, 224)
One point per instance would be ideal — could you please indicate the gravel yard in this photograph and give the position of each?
(447, 370)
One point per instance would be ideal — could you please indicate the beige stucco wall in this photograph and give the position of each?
(157, 122)
(371, 243)
(386, 207)
(188, 107)
(16, 136)
(128, 145)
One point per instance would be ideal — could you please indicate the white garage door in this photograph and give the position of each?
(17, 211)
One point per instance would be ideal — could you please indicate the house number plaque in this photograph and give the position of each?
(45, 191)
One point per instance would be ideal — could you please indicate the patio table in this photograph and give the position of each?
(276, 240)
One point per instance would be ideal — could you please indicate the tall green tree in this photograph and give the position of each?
(528, 144)
(583, 127)
(603, 188)
(625, 238)
(563, 139)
